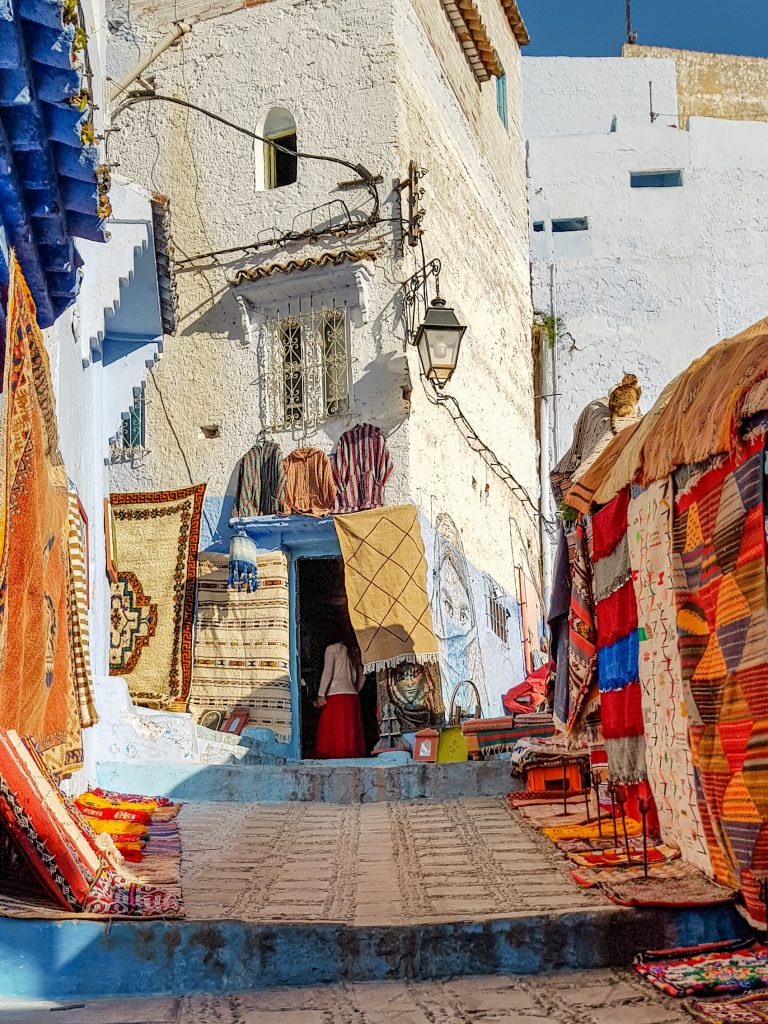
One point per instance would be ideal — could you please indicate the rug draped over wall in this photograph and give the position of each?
(667, 751)
(153, 600)
(242, 644)
(385, 576)
(37, 684)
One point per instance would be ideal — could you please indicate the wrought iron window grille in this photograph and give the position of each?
(498, 615)
(129, 443)
(308, 368)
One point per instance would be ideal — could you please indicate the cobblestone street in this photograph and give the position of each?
(375, 864)
(594, 997)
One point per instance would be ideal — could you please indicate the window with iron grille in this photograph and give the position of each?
(131, 439)
(308, 376)
(497, 613)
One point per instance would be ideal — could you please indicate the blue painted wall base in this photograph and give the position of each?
(66, 960)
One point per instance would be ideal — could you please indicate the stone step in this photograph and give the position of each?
(302, 893)
(365, 781)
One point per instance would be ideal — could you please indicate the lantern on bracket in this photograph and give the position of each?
(438, 336)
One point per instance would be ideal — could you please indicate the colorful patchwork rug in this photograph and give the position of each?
(713, 969)
(617, 857)
(670, 883)
(722, 619)
(242, 644)
(667, 751)
(385, 575)
(37, 685)
(617, 644)
(749, 1009)
(153, 600)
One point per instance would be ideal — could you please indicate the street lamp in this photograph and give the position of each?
(438, 340)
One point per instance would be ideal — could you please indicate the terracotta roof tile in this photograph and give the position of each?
(323, 260)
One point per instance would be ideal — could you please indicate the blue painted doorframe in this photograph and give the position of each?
(299, 537)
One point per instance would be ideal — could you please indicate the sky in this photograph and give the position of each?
(596, 28)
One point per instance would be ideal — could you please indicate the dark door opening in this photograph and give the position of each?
(323, 618)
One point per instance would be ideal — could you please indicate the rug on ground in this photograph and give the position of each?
(748, 1009)
(711, 969)
(242, 644)
(153, 600)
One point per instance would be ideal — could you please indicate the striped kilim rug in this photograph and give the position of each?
(242, 644)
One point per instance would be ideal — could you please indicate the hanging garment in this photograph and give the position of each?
(261, 482)
(362, 469)
(559, 606)
(309, 486)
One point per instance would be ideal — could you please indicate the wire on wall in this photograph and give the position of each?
(489, 457)
(367, 180)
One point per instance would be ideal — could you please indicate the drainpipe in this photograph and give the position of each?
(544, 465)
(179, 29)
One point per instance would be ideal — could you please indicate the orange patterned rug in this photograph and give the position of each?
(37, 684)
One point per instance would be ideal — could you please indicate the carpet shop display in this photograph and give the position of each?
(62, 867)
(711, 969)
(667, 751)
(153, 600)
(385, 575)
(242, 644)
(748, 1009)
(722, 619)
(669, 883)
(35, 608)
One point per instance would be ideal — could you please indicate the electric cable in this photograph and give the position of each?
(367, 179)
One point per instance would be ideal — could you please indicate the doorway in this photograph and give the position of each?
(322, 619)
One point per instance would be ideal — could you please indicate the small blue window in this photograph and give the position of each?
(501, 98)
(570, 224)
(655, 179)
(538, 225)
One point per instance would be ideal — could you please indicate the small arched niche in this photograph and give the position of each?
(276, 168)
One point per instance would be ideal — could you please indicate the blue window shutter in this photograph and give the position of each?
(501, 98)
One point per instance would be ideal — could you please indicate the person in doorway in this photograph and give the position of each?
(340, 729)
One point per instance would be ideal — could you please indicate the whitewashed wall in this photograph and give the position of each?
(662, 273)
(381, 84)
(582, 95)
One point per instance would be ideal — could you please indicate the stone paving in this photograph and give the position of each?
(372, 864)
(593, 997)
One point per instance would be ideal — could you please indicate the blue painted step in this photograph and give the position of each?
(323, 781)
(71, 960)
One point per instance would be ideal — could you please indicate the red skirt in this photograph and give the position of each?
(340, 729)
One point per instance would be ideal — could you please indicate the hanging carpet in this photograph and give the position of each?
(386, 582)
(242, 644)
(667, 751)
(153, 600)
(37, 676)
(78, 612)
(722, 621)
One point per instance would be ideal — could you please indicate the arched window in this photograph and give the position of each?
(279, 166)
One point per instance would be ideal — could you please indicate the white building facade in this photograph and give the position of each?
(406, 87)
(646, 235)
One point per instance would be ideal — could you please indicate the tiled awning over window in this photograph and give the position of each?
(48, 167)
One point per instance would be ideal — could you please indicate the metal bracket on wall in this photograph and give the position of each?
(415, 195)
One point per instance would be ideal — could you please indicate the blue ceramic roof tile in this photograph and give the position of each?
(48, 189)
